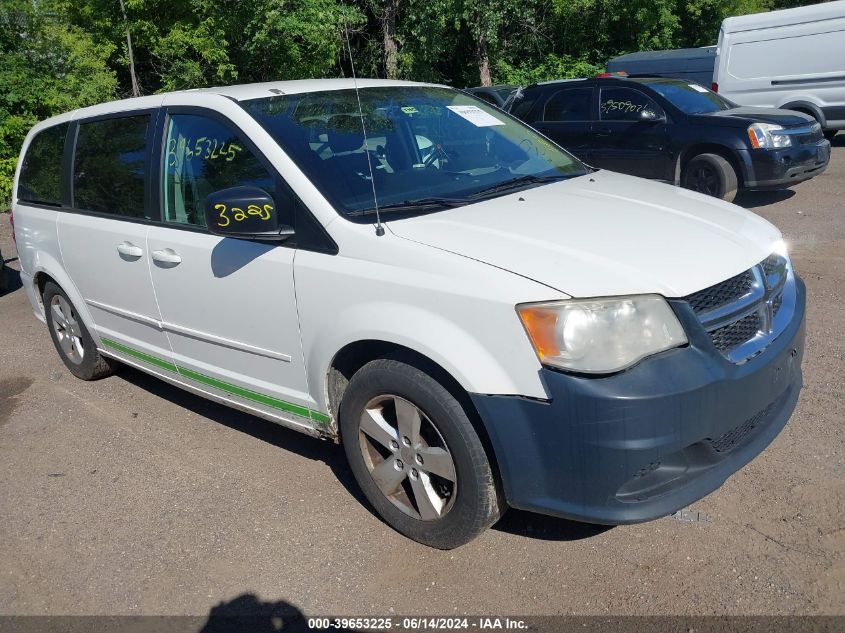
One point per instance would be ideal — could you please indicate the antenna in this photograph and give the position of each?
(379, 227)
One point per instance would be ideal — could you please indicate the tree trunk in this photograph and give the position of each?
(391, 48)
(483, 58)
(136, 90)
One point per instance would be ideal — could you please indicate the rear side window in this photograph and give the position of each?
(569, 105)
(627, 104)
(109, 166)
(522, 106)
(41, 172)
(203, 155)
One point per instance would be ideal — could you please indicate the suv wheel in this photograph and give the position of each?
(712, 175)
(417, 456)
(71, 338)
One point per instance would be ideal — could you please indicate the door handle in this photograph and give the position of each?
(167, 256)
(129, 249)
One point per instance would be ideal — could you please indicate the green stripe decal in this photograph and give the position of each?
(245, 393)
(241, 392)
(152, 360)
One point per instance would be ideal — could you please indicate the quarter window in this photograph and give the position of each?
(109, 166)
(569, 105)
(201, 156)
(626, 104)
(41, 173)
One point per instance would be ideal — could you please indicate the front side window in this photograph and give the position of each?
(424, 147)
(203, 155)
(627, 104)
(569, 105)
(689, 97)
(109, 166)
(41, 172)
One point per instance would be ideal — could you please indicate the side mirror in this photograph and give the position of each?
(652, 116)
(247, 213)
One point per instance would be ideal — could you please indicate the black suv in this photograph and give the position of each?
(675, 130)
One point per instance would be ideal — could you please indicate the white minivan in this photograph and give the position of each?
(792, 59)
(482, 320)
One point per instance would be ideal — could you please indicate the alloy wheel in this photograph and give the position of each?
(407, 457)
(703, 179)
(67, 328)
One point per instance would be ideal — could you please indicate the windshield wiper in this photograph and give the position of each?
(521, 181)
(412, 205)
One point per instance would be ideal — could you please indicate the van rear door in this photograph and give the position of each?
(103, 237)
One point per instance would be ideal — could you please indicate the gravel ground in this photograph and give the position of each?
(128, 496)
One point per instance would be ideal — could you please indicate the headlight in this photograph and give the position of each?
(768, 135)
(601, 335)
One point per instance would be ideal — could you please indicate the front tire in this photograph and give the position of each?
(71, 338)
(416, 455)
(711, 175)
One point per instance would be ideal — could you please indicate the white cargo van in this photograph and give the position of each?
(793, 59)
(481, 319)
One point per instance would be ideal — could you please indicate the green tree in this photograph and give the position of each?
(47, 66)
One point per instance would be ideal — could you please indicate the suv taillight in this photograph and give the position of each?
(714, 87)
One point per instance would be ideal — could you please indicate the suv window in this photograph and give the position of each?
(572, 104)
(627, 104)
(109, 166)
(41, 172)
(203, 155)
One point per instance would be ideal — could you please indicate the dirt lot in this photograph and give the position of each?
(128, 496)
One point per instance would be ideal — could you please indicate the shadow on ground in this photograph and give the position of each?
(248, 613)
(11, 280)
(754, 199)
(546, 528)
(264, 430)
(515, 522)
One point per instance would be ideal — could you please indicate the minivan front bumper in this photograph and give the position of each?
(645, 442)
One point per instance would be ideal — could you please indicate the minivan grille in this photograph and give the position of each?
(743, 308)
(735, 334)
(722, 293)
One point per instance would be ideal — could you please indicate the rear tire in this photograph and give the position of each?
(71, 338)
(416, 455)
(711, 175)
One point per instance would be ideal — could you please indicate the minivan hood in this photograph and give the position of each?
(603, 234)
(746, 115)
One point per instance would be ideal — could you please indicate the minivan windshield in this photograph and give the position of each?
(689, 97)
(427, 148)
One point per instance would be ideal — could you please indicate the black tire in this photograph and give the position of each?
(829, 134)
(712, 175)
(476, 503)
(89, 365)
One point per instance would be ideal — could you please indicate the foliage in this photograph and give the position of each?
(58, 55)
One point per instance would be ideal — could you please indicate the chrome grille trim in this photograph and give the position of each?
(767, 307)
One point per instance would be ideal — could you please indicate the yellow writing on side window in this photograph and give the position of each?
(239, 215)
(204, 148)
